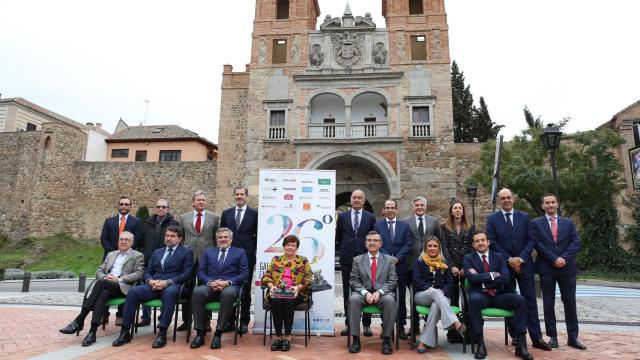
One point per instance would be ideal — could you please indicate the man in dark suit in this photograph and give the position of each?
(508, 233)
(396, 242)
(488, 275)
(373, 281)
(168, 269)
(351, 229)
(111, 230)
(222, 271)
(558, 243)
(243, 222)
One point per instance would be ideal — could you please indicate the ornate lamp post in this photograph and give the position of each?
(551, 141)
(472, 192)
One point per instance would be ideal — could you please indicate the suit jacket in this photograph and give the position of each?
(234, 268)
(511, 241)
(424, 278)
(567, 246)
(482, 280)
(400, 246)
(132, 269)
(207, 237)
(245, 236)
(352, 244)
(386, 277)
(152, 234)
(431, 227)
(178, 269)
(109, 235)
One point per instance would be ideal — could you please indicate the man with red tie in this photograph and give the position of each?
(558, 243)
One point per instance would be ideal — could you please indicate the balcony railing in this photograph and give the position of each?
(421, 130)
(358, 130)
(277, 132)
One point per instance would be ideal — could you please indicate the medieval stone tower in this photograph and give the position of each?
(372, 103)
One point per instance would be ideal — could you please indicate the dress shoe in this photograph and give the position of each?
(453, 337)
(523, 353)
(355, 345)
(540, 344)
(553, 342)
(197, 341)
(386, 347)
(574, 343)
(216, 343)
(401, 334)
(89, 339)
(145, 322)
(367, 331)
(182, 327)
(118, 321)
(344, 332)
(243, 329)
(228, 327)
(124, 338)
(160, 341)
(72, 328)
(286, 345)
(276, 345)
(481, 351)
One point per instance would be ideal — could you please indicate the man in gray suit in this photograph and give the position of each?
(199, 227)
(422, 226)
(119, 271)
(373, 281)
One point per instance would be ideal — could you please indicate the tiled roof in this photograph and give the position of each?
(157, 132)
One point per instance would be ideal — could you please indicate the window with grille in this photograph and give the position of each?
(170, 155)
(141, 155)
(120, 153)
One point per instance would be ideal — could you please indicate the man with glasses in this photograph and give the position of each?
(111, 230)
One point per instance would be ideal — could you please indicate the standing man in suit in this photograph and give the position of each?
(152, 238)
(396, 242)
(119, 271)
(488, 275)
(243, 222)
(352, 228)
(421, 227)
(508, 233)
(373, 281)
(111, 230)
(222, 271)
(199, 226)
(168, 269)
(558, 243)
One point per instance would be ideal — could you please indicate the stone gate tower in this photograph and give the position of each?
(372, 103)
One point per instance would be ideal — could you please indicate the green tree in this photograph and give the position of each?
(531, 122)
(483, 128)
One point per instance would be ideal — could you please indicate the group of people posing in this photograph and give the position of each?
(378, 259)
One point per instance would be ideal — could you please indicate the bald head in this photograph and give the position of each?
(505, 199)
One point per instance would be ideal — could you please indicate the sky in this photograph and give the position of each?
(101, 61)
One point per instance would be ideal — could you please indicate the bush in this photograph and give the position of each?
(18, 274)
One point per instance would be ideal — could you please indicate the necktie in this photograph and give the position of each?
(485, 265)
(166, 259)
(392, 231)
(508, 215)
(198, 222)
(554, 228)
(223, 254)
(238, 218)
(356, 222)
(421, 228)
(123, 222)
(373, 272)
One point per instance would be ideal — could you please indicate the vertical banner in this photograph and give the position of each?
(301, 203)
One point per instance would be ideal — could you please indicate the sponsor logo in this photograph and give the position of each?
(270, 188)
(307, 189)
(268, 197)
(288, 196)
(307, 181)
(289, 188)
(306, 206)
(269, 206)
(324, 190)
(323, 207)
(324, 181)
(305, 197)
(289, 180)
(324, 197)
(269, 180)
(287, 206)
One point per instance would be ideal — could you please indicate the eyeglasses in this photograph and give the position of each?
(160, 207)
(124, 239)
(124, 204)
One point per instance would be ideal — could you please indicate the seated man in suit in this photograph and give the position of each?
(222, 271)
(168, 269)
(373, 281)
(488, 273)
(119, 271)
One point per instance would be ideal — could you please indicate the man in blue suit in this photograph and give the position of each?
(243, 222)
(168, 269)
(222, 271)
(115, 225)
(488, 275)
(396, 242)
(558, 243)
(352, 228)
(508, 233)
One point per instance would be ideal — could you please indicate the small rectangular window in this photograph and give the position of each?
(419, 47)
(31, 127)
(282, 11)
(279, 55)
(415, 7)
(277, 118)
(170, 155)
(119, 153)
(141, 155)
(420, 114)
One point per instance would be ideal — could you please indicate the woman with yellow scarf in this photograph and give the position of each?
(432, 281)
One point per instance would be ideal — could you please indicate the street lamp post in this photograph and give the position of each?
(551, 141)
(472, 192)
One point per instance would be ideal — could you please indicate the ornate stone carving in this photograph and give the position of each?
(316, 56)
(331, 22)
(348, 48)
(262, 50)
(437, 46)
(400, 47)
(295, 49)
(379, 53)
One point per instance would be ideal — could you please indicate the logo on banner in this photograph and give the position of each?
(270, 188)
(270, 179)
(307, 181)
(268, 197)
(307, 189)
(288, 196)
(324, 190)
(323, 206)
(306, 198)
(289, 180)
(324, 181)
(288, 206)
(269, 206)
(289, 188)
(324, 197)
(306, 206)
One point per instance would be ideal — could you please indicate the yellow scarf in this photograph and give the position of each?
(435, 263)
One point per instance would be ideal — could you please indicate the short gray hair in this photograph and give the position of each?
(198, 192)
(225, 229)
(128, 234)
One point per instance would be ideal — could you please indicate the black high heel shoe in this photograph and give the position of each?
(72, 328)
